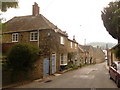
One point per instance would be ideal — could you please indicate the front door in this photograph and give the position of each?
(46, 67)
(53, 63)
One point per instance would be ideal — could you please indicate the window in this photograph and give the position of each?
(33, 36)
(71, 44)
(63, 59)
(75, 46)
(15, 37)
(62, 40)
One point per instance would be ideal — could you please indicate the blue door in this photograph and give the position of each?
(53, 63)
(46, 67)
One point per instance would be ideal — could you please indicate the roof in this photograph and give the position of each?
(27, 23)
(60, 31)
(80, 47)
(115, 46)
(86, 48)
(73, 41)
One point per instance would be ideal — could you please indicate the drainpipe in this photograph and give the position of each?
(38, 38)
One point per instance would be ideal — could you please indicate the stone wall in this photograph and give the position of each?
(9, 76)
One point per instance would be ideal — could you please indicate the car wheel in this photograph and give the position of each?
(118, 82)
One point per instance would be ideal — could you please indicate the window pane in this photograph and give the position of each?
(34, 36)
(15, 37)
(61, 40)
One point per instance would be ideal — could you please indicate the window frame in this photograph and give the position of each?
(34, 37)
(75, 46)
(15, 37)
(71, 44)
(62, 41)
(63, 59)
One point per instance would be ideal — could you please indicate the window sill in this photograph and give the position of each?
(33, 40)
(63, 64)
(14, 41)
(63, 44)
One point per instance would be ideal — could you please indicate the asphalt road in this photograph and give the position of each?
(93, 76)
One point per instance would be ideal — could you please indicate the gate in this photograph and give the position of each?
(46, 67)
(53, 63)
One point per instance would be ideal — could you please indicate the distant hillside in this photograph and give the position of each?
(101, 44)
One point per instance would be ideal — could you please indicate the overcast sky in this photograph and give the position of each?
(81, 18)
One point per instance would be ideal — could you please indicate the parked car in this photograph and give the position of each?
(114, 71)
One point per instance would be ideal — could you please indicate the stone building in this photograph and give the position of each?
(88, 54)
(36, 30)
(99, 55)
(73, 51)
(111, 54)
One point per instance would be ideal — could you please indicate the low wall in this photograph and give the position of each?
(11, 77)
(100, 60)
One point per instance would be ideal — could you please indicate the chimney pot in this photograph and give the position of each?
(74, 37)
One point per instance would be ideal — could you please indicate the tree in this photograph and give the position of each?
(6, 5)
(111, 19)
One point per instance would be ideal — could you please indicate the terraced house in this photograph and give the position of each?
(74, 52)
(36, 30)
(111, 54)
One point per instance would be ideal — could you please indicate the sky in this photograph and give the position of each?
(81, 18)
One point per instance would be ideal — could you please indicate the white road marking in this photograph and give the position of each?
(84, 76)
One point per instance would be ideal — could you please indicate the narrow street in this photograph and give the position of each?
(94, 76)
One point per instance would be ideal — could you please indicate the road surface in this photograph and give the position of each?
(93, 76)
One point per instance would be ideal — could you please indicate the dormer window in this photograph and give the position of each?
(33, 36)
(15, 37)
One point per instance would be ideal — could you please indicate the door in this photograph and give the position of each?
(46, 67)
(53, 63)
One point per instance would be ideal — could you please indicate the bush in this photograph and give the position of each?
(117, 52)
(71, 65)
(22, 56)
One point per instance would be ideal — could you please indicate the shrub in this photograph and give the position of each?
(71, 65)
(22, 56)
(117, 53)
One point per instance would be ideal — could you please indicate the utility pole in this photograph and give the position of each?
(85, 41)
(107, 54)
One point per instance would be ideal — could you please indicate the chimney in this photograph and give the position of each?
(35, 9)
(74, 37)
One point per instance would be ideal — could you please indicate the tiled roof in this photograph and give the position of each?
(73, 41)
(28, 23)
(60, 31)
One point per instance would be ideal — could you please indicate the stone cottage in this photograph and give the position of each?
(74, 52)
(88, 54)
(111, 55)
(36, 30)
(99, 55)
